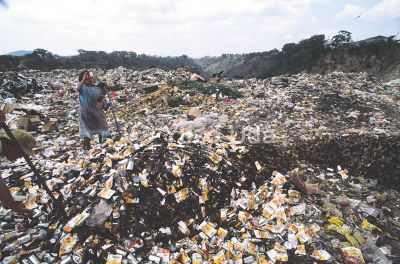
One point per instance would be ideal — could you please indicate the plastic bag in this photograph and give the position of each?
(99, 214)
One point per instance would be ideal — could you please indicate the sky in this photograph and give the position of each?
(193, 27)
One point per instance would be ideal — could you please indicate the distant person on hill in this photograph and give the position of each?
(90, 117)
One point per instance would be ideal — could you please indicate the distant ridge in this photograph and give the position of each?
(378, 56)
(19, 53)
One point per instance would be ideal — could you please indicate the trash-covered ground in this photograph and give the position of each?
(296, 169)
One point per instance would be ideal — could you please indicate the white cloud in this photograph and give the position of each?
(350, 11)
(385, 9)
(288, 37)
(277, 24)
(162, 27)
(328, 32)
(314, 19)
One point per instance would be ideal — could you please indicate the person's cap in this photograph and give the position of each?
(25, 140)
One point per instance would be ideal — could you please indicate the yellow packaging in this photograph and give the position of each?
(251, 248)
(222, 232)
(303, 237)
(314, 229)
(293, 193)
(357, 235)
(280, 248)
(176, 171)
(261, 259)
(72, 223)
(108, 162)
(337, 221)
(243, 216)
(67, 244)
(196, 258)
(208, 229)
(276, 229)
(203, 198)
(367, 225)
(261, 234)
(281, 214)
(30, 205)
(268, 213)
(343, 174)
(106, 193)
(215, 158)
(282, 257)
(278, 178)
(354, 254)
(353, 241)
(171, 189)
(321, 255)
(300, 250)
(184, 256)
(219, 258)
(182, 195)
(114, 259)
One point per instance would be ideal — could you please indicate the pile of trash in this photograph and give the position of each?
(32, 81)
(336, 118)
(166, 97)
(196, 182)
(210, 88)
(16, 85)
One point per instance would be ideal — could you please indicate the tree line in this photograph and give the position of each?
(293, 58)
(41, 59)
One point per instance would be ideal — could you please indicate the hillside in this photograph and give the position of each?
(378, 56)
(381, 59)
(18, 53)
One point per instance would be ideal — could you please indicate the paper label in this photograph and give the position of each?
(114, 259)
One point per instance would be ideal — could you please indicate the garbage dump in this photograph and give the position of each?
(16, 85)
(297, 169)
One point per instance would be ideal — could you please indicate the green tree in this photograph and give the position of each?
(342, 37)
(289, 48)
(42, 53)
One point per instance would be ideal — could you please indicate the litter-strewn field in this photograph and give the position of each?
(297, 169)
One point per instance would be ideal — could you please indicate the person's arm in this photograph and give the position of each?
(103, 91)
(9, 202)
(80, 84)
(80, 87)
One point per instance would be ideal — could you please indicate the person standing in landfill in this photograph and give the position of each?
(11, 152)
(90, 117)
